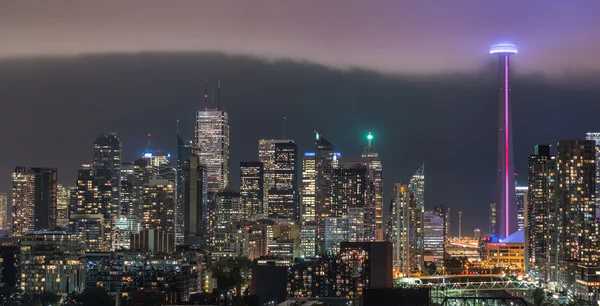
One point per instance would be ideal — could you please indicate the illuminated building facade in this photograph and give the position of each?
(33, 199)
(212, 147)
(406, 232)
(505, 255)
(282, 205)
(308, 188)
(312, 277)
(507, 221)
(63, 199)
(107, 155)
(252, 188)
(125, 226)
(417, 186)
(280, 158)
(434, 239)
(363, 265)
(494, 213)
(576, 206)
(227, 211)
(349, 189)
(51, 261)
(91, 228)
(335, 231)
(3, 211)
(308, 240)
(596, 137)
(374, 200)
(184, 152)
(158, 205)
(541, 243)
(521, 198)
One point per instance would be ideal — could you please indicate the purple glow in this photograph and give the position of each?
(503, 48)
(506, 180)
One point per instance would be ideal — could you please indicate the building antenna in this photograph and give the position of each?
(148, 145)
(205, 94)
(177, 126)
(219, 93)
(284, 128)
(213, 99)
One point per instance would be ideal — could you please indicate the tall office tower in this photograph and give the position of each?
(307, 207)
(507, 221)
(444, 213)
(94, 206)
(540, 236)
(477, 233)
(33, 199)
(493, 216)
(434, 237)
(406, 231)
(349, 185)
(63, 199)
(107, 155)
(521, 199)
(576, 192)
(184, 151)
(227, 210)
(195, 204)
(375, 193)
(3, 211)
(596, 137)
(417, 186)
(212, 147)
(282, 205)
(252, 188)
(279, 158)
(158, 205)
(325, 162)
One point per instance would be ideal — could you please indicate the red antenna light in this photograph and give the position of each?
(149, 135)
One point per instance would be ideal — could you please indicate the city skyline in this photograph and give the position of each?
(162, 138)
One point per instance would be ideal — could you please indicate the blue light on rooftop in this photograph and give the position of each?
(309, 154)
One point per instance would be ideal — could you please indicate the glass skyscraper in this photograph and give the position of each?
(212, 147)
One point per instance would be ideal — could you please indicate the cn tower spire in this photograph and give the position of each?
(507, 201)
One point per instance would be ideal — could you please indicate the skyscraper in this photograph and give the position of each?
(406, 232)
(374, 201)
(94, 206)
(279, 158)
(434, 237)
(493, 219)
(195, 204)
(417, 186)
(576, 192)
(107, 155)
(521, 200)
(184, 151)
(325, 161)
(507, 221)
(33, 199)
(252, 188)
(63, 199)
(308, 188)
(596, 137)
(349, 185)
(3, 211)
(212, 147)
(540, 236)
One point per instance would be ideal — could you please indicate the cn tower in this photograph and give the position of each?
(507, 218)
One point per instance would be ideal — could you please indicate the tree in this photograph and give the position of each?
(49, 298)
(96, 296)
(431, 268)
(538, 296)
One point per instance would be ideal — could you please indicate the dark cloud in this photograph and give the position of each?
(52, 109)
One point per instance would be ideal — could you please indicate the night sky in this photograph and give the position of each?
(426, 86)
